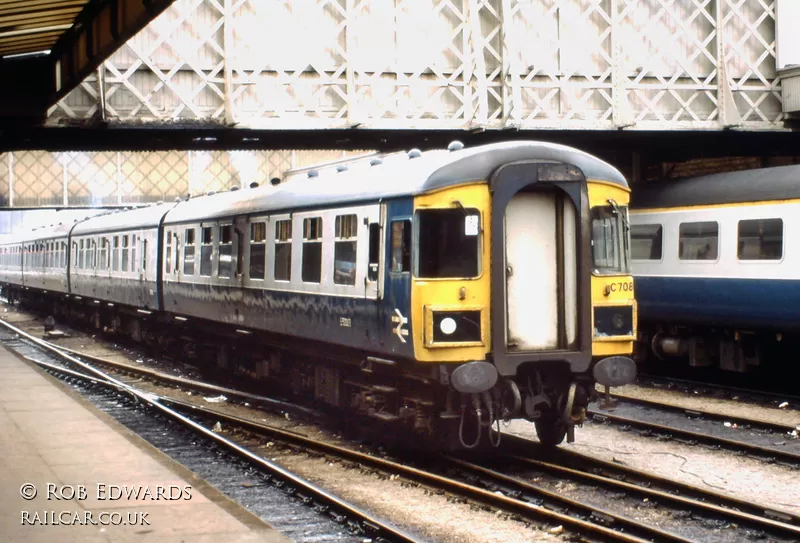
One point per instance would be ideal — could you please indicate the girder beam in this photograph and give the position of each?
(99, 30)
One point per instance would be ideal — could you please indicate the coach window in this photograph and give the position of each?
(206, 250)
(102, 261)
(646, 241)
(401, 246)
(115, 254)
(133, 253)
(168, 249)
(176, 240)
(258, 249)
(283, 250)
(188, 251)
(761, 239)
(93, 255)
(698, 240)
(225, 250)
(345, 250)
(125, 253)
(312, 250)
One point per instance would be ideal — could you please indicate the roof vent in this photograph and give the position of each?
(342, 168)
(414, 153)
(375, 162)
(455, 145)
(313, 173)
(275, 181)
(254, 184)
(234, 188)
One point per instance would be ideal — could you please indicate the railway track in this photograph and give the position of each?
(715, 390)
(339, 509)
(513, 493)
(759, 438)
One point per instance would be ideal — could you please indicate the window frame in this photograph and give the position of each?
(339, 228)
(306, 239)
(407, 239)
(697, 260)
(273, 248)
(662, 229)
(761, 260)
(254, 222)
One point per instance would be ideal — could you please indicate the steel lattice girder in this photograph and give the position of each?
(446, 64)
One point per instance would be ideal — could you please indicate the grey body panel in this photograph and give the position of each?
(134, 288)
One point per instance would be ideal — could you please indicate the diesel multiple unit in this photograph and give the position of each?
(440, 292)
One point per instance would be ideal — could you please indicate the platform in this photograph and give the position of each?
(51, 435)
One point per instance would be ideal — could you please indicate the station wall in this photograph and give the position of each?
(43, 178)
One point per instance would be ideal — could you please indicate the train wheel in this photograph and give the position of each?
(550, 428)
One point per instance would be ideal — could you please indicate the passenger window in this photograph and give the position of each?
(206, 249)
(94, 254)
(177, 255)
(115, 255)
(698, 240)
(374, 251)
(646, 241)
(258, 249)
(103, 264)
(133, 253)
(125, 254)
(283, 250)
(761, 239)
(168, 244)
(225, 250)
(312, 250)
(401, 246)
(345, 250)
(188, 252)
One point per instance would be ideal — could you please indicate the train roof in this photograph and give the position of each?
(142, 217)
(60, 230)
(398, 176)
(759, 185)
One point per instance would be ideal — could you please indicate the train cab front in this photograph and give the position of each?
(503, 288)
(613, 302)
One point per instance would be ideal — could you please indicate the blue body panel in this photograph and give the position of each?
(722, 302)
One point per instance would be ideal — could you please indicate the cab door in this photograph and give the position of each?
(396, 306)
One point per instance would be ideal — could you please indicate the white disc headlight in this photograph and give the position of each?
(447, 326)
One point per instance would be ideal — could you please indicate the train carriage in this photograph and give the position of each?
(114, 257)
(716, 268)
(440, 292)
(396, 260)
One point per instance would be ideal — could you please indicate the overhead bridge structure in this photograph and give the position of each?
(452, 64)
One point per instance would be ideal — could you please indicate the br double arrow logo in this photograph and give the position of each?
(400, 320)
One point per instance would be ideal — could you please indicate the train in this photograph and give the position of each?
(435, 294)
(717, 271)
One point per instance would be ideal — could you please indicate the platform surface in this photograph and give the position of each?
(50, 435)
